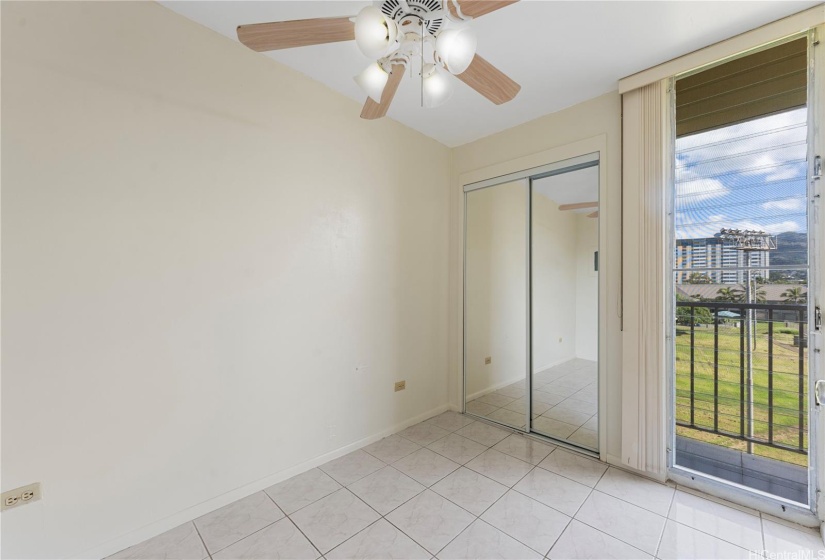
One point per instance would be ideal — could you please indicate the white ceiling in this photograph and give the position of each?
(581, 185)
(562, 53)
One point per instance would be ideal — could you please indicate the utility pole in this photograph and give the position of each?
(749, 241)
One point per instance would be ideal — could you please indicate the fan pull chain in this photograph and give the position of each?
(422, 64)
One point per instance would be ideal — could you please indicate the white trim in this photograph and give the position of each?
(790, 25)
(153, 529)
(535, 172)
(816, 423)
(549, 157)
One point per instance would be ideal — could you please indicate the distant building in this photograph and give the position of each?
(711, 256)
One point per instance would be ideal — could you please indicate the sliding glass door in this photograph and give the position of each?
(741, 272)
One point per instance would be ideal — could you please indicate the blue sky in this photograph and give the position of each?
(747, 176)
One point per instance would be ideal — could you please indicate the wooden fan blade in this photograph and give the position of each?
(477, 8)
(373, 110)
(593, 214)
(579, 205)
(489, 81)
(298, 33)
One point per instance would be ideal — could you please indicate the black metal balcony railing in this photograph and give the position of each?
(736, 379)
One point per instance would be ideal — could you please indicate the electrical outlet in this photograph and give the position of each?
(400, 386)
(20, 496)
(488, 360)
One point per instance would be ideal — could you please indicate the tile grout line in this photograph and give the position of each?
(342, 543)
(593, 489)
(667, 518)
(285, 516)
(762, 531)
(759, 517)
(475, 517)
(334, 547)
(513, 489)
(203, 542)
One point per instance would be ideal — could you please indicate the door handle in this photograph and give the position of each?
(817, 385)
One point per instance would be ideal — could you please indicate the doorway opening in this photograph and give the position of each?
(741, 270)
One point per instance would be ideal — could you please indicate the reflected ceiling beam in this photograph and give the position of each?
(579, 206)
(593, 214)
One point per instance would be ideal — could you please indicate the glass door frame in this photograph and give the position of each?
(732, 491)
(583, 159)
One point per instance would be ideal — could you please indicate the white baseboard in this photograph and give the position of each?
(161, 526)
(552, 364)
(494, 388)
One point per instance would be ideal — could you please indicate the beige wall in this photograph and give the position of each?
(599, 116)
(553, 284)
(587, 288)
(199, 248)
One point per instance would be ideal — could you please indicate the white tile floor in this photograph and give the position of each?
(565, 401)
(453, 488)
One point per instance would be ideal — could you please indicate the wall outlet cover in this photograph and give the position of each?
(21, 496)
(400, 386)
(488, 360)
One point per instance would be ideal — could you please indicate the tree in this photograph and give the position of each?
(794, 295)
(733, 295)
(760, 296)
(698, 278)
(701, 316)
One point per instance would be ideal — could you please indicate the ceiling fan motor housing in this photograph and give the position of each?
(399, 10)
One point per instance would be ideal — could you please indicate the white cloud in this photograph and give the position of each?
(701, 189)
(712, 224)
(774, 228)
(761, 146)
(788, 204)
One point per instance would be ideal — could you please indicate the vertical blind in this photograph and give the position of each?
(645, 170)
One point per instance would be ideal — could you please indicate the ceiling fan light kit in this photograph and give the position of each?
(432, 36)
(455, 49)
(375, 34)
(437, 88)
(373, 80)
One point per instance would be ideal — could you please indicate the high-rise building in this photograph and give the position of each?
(718, 259)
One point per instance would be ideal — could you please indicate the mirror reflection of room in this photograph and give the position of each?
(495, 295)
(564, 313)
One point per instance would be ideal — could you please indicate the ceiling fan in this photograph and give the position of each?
(434, 35)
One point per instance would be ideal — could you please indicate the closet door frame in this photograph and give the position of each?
(525, 168)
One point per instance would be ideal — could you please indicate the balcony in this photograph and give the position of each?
(742, 393)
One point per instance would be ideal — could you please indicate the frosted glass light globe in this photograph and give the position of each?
(456, 48)
(437, 89)
(372, 81)
(375, 33)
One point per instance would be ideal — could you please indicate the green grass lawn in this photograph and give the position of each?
(785, 388)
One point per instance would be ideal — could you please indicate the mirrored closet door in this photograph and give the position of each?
(531, 311)
(495, 302)
(565, 304)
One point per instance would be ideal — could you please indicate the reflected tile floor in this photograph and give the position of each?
(565, 405)
(476, 491)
